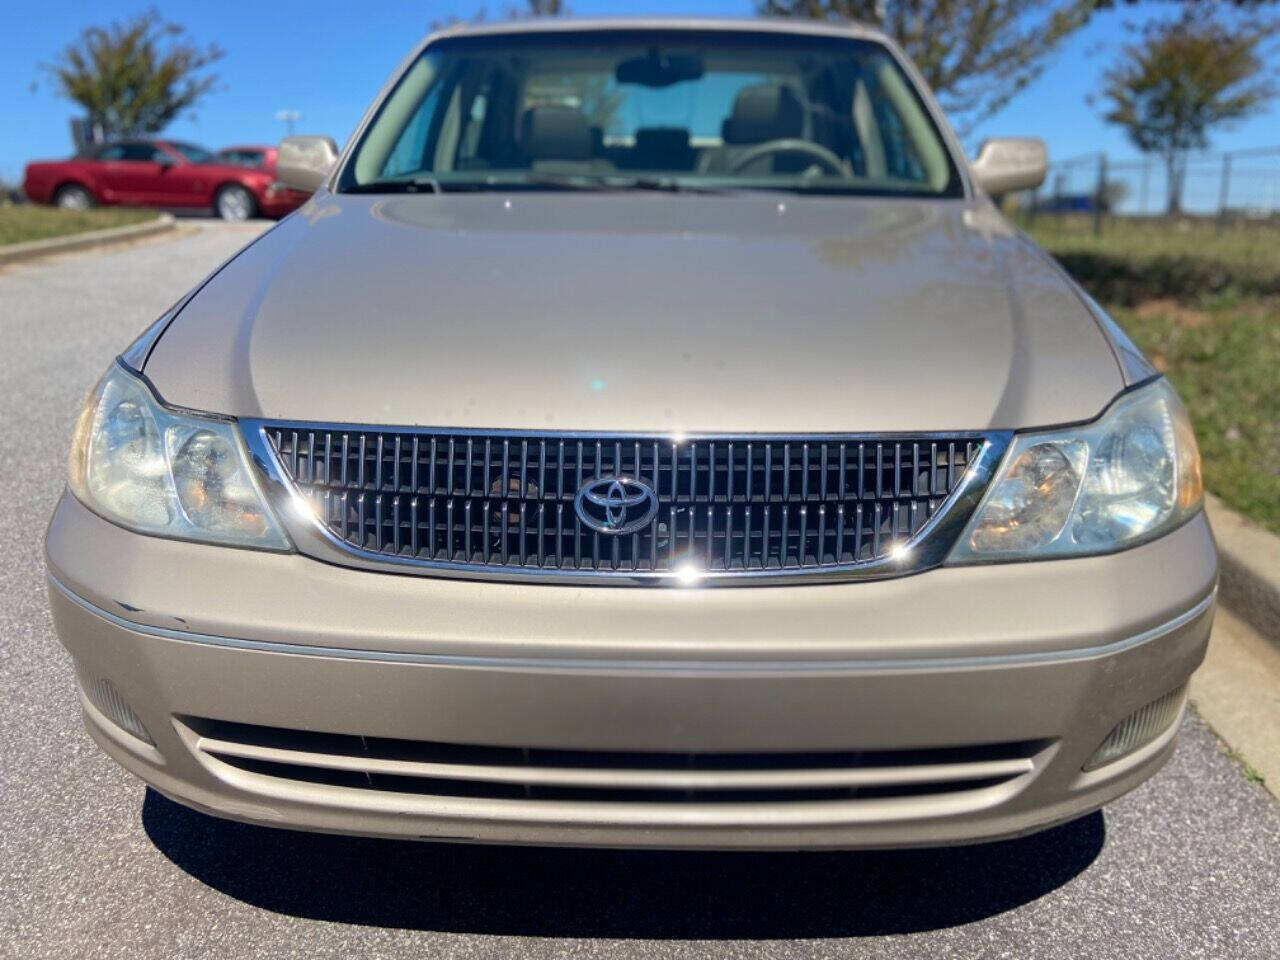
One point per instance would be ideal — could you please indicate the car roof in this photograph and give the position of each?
(762, 25)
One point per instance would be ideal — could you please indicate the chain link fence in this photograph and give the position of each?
(1235, 188)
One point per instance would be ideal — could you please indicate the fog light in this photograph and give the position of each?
(107, 699)
(1139, 728)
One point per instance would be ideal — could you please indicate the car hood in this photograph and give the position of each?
(647, 312)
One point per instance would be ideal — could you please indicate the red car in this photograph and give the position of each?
(249, 155)
(159, 173)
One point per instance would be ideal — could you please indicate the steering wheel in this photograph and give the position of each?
(791, 145)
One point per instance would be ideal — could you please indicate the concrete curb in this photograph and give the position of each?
(16, 252)
(1237, 690)
(1249, 558)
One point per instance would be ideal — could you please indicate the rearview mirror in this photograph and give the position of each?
(1007, 164)
(660, 69)
(304, 163)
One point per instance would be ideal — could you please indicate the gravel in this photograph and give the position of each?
(93, 865)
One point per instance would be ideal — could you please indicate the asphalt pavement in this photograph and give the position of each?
(93, 865)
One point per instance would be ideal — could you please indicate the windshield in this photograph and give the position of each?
(672, 109)
(192, 153)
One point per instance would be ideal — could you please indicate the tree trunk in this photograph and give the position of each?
(1175, 172)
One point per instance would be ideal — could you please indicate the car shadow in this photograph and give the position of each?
(544, 892)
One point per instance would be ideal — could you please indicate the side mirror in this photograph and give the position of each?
(304, 163)
(164, 160)
(1007, 164)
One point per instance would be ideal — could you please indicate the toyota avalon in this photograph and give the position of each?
(649, 434)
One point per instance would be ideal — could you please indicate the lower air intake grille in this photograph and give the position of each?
(458, 770)
(724, 506)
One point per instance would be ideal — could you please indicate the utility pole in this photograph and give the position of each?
(288, 118)
(1100, 199)
(1223, 193)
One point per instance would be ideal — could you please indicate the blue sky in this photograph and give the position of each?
(328, 60)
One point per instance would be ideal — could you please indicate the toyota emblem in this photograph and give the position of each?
(616, 505)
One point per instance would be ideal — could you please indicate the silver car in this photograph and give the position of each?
(650, 434)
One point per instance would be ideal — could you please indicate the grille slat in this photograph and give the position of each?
(731, 505)
(497, 772)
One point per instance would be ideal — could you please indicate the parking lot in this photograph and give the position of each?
(96, 866)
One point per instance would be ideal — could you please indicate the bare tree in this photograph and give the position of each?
(1181, 80)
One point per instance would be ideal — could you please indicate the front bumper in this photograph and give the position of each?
(1049, 655)
(278, 200)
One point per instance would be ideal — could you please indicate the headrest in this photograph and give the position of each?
(555, 133)
(764, 112)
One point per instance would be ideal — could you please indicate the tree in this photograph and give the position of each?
(134, 78)
(532, 8)
(974, 54)
(1184, 78)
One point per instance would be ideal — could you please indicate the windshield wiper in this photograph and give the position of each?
(616, 183)
(563, 181)
(674, 185)
(590, 182)
(423, 184)
(411, 185)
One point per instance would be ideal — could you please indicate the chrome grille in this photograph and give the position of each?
(726, 506)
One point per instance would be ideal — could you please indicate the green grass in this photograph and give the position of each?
(1248, 246)
(22, 222)
(1206, 310)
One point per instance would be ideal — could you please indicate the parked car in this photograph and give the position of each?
(653, 436)
(159, 173)
(261, 157)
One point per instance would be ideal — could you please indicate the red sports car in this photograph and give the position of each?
(159, 173)
(249, 155)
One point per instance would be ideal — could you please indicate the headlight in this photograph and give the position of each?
(1127, 477)
(160, 472)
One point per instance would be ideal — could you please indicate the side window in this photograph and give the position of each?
(139, 151)
(409, 153)
(113, 152)
(469, 148)
(901, 160)
(446, 147)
